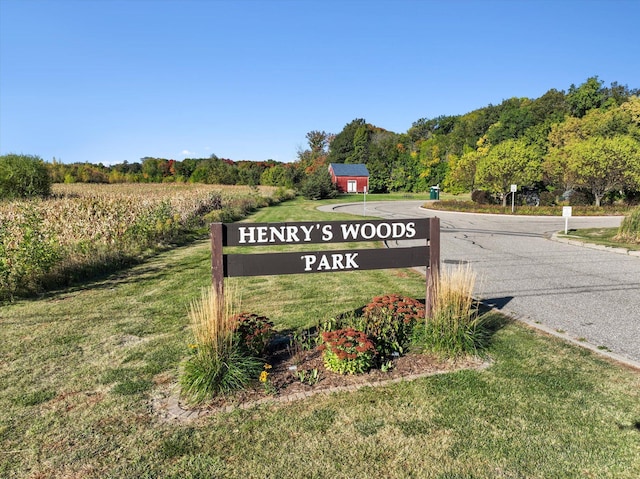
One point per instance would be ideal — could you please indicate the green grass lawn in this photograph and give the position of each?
(79, 367)
(395, 196)
(603, 236)
(468, 206)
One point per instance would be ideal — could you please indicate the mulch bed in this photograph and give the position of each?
(287, 363)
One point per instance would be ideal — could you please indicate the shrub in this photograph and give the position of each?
(454, 328)
(319, 186)
(254, 332)
(547, 198)
(481, 197)
(26, 252)
(23, 176)
(632, 197)
(389, 320)
(218, 365)
(347, 351)
(580, 198)
(401, 307)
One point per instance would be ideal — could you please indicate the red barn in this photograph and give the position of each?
(349, 178)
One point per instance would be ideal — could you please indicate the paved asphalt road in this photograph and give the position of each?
(584, 295)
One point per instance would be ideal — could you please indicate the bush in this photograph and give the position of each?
(23, 176)
(254, 332)
(347, 351)
(26, 253)
(581, 198)
(632, 197)
(481, 197)
(319, 186)
(389, 320)
(547, 198)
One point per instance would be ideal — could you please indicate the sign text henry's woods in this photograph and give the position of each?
(301, 262)
(256, 234)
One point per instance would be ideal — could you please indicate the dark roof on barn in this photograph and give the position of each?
(342, 169)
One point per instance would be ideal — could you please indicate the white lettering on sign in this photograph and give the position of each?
(332, 262)
(307, 232)
(248, 235)
(272, 234)
(327, 234)
(381, 230)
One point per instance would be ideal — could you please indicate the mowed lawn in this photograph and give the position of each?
(79, 370)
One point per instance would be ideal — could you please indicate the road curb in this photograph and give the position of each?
(599, 350)
(600, 247)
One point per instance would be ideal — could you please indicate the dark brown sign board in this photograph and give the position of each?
(303, 262)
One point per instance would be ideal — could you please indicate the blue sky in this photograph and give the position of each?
(114, 80)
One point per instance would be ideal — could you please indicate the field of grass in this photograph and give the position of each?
(79, 369)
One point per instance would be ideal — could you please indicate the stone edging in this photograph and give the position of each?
(167, 407)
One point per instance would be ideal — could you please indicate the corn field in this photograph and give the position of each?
(83, 229)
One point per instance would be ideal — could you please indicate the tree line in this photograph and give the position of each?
(584, 142)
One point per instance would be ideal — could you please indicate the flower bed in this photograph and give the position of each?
(345, 352)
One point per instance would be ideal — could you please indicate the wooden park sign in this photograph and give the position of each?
(304, 262)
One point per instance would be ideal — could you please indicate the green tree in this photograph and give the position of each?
(461, 175)
(315, 156)
(88, 173)
(603, 164)
(389, 163)
(510, 162)
(23, 176)
(552, 106)
(342, 145)
(469, 127)
(285, 175)
(425, 128)
(318, 141)
(588, 96)
(250, 172)
(318, 186)
(153, 168)
(618, 94)
(360, 152)
(515, 118)
(215, 171)
(577, 140)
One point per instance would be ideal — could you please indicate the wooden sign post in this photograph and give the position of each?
(304, 262)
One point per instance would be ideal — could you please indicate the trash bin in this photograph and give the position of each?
(434, 193)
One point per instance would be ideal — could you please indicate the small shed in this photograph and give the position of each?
(349, 178)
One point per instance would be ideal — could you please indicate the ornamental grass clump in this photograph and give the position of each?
(629, 229)
(218, 364)
(455, 327)
(347, 351)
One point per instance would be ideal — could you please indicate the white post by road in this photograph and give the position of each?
(514, 188)
(566, 214)
(364, 202)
